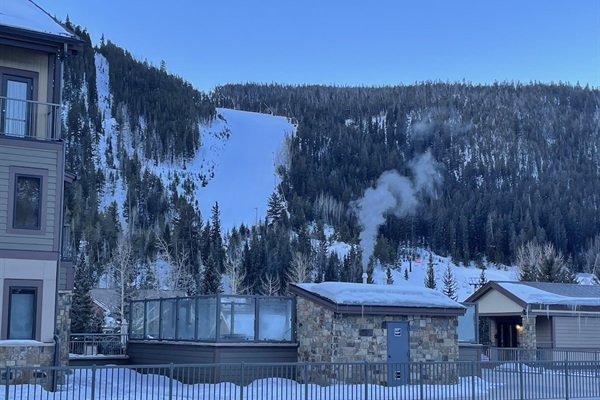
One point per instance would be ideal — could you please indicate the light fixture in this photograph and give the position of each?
(519, 328)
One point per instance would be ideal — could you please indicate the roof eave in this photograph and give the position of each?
(74, 43)
(376, 310)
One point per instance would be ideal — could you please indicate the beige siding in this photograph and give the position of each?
(29, 60)
(577, 332)
(543, 331)
(38, 270)
(495, 303)
(30, 157)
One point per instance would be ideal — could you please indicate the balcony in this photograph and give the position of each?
(29, 119)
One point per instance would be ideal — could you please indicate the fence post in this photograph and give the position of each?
(366, 380)
(566, 380)
(521, 388)
(93, 394)
(242, 382)
(305, 381)
(421, 395)
(473, 380)
(171, 370)
(7, 379)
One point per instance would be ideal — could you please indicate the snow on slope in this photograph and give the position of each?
(237, 156)
(245, 172)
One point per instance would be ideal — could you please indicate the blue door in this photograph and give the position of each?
(398, 352)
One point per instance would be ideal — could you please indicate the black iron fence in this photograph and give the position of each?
(534, 380)
(521, 354)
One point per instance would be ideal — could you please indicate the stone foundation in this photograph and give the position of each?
(63, 324)
(325, 336)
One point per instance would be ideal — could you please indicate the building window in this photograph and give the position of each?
(28, 200)
(22, 309)
(28, 196)
(17, 111)
(22, 313)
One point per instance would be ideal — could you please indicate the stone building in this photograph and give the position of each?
(351, 322)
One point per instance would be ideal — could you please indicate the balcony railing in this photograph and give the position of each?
(29, 119)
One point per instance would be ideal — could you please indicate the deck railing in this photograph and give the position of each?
(308, 381)
(29, 119)
(97, 344)
(521, 354)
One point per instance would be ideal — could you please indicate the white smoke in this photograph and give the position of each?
(395, 194)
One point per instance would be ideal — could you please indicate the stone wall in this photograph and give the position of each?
(325, 336)
(63, 323)
(26, 354)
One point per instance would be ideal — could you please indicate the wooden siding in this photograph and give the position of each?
(493, 303)
(31, 157)
(543, 332)
(572, 332)
(28, 60)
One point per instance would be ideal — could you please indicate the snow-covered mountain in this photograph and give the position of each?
(234, 167)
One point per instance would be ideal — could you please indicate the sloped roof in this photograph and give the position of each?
(398, 299)
(544, 293)
(28, 16)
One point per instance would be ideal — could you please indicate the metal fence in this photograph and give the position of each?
(30, 119)
(93, 344)
(521, 354)
(308, 381)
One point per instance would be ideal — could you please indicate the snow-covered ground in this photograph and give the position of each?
(540, 380)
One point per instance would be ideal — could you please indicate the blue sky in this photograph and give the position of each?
(381, 42)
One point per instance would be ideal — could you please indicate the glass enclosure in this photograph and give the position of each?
(217, 318)
(468, 324)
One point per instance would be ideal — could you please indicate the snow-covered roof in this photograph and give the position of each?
(28, 16)
(402, 295)
(554, 293)
(552, 296)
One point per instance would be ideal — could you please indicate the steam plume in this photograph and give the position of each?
(394, 194)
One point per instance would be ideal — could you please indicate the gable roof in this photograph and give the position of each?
(360, 298)
(555, 295)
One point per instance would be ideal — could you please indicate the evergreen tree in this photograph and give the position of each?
(482, 279)
(389, 279)
(211, 278)
(450, 286)
(216, 240)
(430, 277)
(275, 208)
(81, 308)
(405, 274)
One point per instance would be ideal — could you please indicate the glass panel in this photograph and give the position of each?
(15, 122)
(152, 319)
(275, 322)
(467, 325)
(168, 314)
(186, 319)
(207, 318)
(137, 320)
(21, 324)
(237, 318)
(27, 202)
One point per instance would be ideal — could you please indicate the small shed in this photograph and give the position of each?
(343, 322)
(541, 315)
